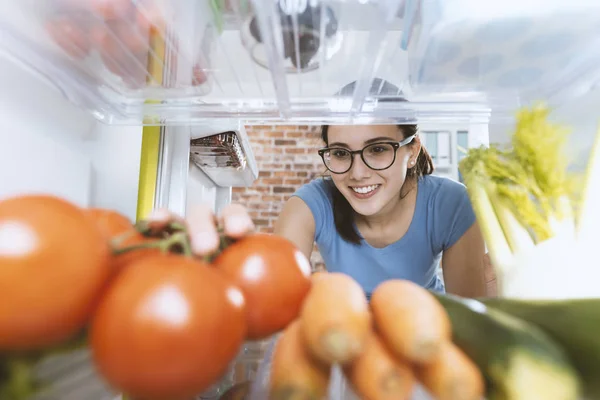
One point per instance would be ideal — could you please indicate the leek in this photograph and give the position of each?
(528, 203)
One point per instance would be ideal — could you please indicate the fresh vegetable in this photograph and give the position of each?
(70, 36)
(521, 192)
(335, 318)
(54, 266)
(571, 323)
(452, 376)
(112, 9)
(517, 359)
(295, 373)
(110, 222)
(121, 233)
(529, 206)
(410, 320)
(274, 277)
(377, 375)
(168, 328)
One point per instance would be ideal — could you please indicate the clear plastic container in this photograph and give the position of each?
(534, 49)
(181, 61)
(265, 61)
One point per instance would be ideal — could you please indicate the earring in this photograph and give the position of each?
(412, 162)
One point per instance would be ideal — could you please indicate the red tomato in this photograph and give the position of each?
(274, 277)
(113, 225)
(54, 265)
(150, 18)
(110, 222)
(198, 75)
(168, 328)
(70, 36)
(113, 9)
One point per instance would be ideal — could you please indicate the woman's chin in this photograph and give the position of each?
(366, 208)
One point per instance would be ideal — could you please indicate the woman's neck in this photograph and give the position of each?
(394, 210)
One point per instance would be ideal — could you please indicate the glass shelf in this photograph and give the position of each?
(306, 61)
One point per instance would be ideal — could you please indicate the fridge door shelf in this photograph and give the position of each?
(268, 61)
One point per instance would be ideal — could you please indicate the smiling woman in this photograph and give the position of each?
(381, 215)
(391, 142)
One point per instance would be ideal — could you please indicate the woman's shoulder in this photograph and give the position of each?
(316, 194)
(318, 188)
(450, 209)
(440, 188)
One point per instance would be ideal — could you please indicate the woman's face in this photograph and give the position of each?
(369, 191)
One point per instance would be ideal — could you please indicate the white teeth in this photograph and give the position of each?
(365, 189)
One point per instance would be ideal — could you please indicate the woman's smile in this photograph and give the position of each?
(365, 191)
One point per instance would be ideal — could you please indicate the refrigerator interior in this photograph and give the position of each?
(103, 125)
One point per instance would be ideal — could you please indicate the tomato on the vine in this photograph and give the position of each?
(274, 276)
(54, 265)
(116, 226)
(168, 328)
(112, 223)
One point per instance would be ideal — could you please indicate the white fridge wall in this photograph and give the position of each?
(115, 155)
(47, 145)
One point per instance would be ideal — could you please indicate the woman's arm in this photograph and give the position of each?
(463, 265)
(297, 224)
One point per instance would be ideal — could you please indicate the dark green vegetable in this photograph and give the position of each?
(518, 360)
(571, 323)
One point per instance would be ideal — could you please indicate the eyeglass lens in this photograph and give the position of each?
(376, 156)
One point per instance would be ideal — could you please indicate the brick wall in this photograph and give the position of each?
(287, 159)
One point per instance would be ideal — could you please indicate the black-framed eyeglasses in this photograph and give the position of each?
(377, 156)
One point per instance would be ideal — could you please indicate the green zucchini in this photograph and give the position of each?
(517, 359)
(574, 324)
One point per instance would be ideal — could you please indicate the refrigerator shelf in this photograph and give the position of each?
(307, 61)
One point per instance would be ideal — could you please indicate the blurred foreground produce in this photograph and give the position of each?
(296, 373)
(518, 360)
(420, 334)
(160, 323)
(375, 364)
(536, 214)
(377, 374)
(571, 323)
(168, 328)
(335, 318)
(54, 265)
(281, 278)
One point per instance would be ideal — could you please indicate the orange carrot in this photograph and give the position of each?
(377, 375)
(410, 320)
(452, 376)
(335, 318)
(295, 374)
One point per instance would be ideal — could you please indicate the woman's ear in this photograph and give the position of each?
(415, 150)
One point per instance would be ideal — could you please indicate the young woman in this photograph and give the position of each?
(380, 215)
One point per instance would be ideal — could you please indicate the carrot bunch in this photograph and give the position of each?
(384, 348)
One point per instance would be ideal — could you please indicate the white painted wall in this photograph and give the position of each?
(48, 145)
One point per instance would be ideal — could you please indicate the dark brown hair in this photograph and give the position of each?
(344, 214)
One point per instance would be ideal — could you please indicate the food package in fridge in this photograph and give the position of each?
(114, 56)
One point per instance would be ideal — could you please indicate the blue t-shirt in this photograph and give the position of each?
(443, 213)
